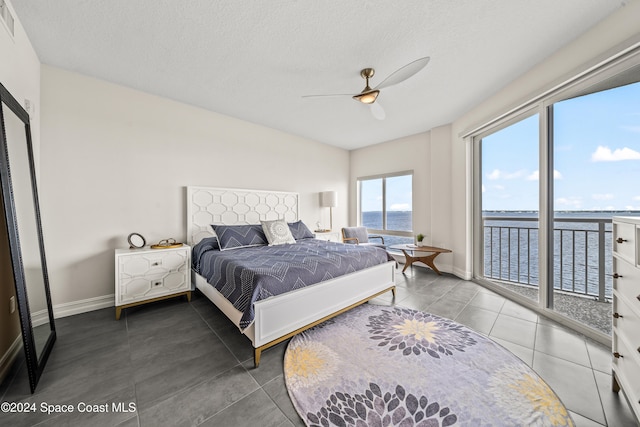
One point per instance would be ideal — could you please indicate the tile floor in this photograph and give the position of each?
(185, 364)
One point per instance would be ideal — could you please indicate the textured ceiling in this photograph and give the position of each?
(254, 60)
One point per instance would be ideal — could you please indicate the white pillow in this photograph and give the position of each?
(277, 232)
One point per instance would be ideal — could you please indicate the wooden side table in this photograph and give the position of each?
(416, 257)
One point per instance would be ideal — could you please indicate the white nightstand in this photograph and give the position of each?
(331, 236)
(145, 275)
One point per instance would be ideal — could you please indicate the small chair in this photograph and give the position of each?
(360, 236)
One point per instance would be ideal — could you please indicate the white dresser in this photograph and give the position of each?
(626, 309)
(145, 275)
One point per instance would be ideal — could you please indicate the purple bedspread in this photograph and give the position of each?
(247, 275)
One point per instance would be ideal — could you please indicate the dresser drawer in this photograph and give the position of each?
(627, 368)
(624, 241)
(626, 324)
(626, 282)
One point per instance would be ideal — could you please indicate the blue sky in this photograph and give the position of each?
(596, 155)
(398, 194)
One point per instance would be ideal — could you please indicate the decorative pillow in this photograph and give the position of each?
(300, 231)
(239, 236)
(277, 232)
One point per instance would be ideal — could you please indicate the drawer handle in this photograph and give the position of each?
(617, 276)
(617, 315)
(621, 240)
(618, 355)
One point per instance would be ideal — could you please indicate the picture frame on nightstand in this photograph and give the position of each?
(136, 241)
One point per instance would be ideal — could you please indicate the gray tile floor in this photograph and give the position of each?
(183, 364)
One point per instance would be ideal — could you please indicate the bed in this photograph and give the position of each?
(277, 316)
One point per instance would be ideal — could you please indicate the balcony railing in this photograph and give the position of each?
(581, 258)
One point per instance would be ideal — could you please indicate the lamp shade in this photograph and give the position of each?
(329, 199)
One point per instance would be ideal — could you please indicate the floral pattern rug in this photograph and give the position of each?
(383, 366)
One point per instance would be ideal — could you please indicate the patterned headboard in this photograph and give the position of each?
(231, 206)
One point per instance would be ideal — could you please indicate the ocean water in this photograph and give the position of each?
(396, 220)
(511, 252)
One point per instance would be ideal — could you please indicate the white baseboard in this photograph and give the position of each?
(465, 275)
(83, 306)
(9, 356)
(39, 318)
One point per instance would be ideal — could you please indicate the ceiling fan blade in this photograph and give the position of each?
(329, 95)
(404, 73)
(377, 111)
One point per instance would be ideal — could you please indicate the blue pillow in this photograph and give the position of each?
(300, 231)
(239, 236)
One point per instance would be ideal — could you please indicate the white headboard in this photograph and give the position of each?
(232, 206)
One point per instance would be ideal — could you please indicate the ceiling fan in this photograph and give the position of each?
(369, 96)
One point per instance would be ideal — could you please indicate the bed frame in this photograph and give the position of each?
(280, 317)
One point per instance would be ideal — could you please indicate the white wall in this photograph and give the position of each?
(610, 36)
(442, 176)
(20, 73)
(116, 161)
(406, 154)
(440, 158)
(428, 156)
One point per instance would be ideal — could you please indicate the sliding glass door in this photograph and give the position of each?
(510, 209)
(596, 155)
(548, 180)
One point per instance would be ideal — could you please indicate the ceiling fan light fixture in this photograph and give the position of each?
(367, 96)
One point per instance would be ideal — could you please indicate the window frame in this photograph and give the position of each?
(384, 177)
(578, 85)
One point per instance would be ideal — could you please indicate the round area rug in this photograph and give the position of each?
(383, 366)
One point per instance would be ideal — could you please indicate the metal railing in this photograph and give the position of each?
(581, 258)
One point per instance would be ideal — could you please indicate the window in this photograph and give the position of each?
(596, 153)
(543, 234)
(509, 200)
(385, 206)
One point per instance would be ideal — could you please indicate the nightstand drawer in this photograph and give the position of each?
(152, 263)
(329, 236)
(144, 275)
(152, 286)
